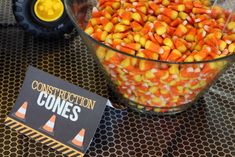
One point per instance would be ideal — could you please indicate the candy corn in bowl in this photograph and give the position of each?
(159, 56)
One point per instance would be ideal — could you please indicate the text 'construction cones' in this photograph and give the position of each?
(78, 140)
(22, 111)
(49, 126)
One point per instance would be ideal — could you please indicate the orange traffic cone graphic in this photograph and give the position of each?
(78, 140)
(49, 126)
(22, 111)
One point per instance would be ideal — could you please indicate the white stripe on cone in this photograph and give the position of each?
(22, 110)
(50, 124)
(109, 104)
(79, 138)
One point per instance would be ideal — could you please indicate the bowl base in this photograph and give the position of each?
(159, 111)
(122, 103)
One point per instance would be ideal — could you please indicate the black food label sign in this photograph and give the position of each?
(60, 114)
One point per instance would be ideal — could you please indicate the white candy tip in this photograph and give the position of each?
(228, 41)
(185, 22)
(151, 11)
(153, 70)
(135, 3)
(94, 9)
(204, 33)
(161, 51)
(208, 49)
(118, 47)
(150, 33)
(190, 69)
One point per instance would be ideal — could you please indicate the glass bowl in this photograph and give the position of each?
(147, 85)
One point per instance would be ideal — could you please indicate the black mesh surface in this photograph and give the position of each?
(207, 129)
(6, 16)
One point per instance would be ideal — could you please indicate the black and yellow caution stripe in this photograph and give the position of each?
(34, 134)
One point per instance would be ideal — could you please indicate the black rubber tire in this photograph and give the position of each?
(24, 15)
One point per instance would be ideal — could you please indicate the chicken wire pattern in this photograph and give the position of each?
(206, 129)
(6, 16)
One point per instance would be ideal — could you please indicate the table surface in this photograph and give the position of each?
(206, 129)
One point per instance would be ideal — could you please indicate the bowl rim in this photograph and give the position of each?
(72, 17)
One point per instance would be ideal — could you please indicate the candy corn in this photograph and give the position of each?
(181, 30)
(164, 30)
(160, 28)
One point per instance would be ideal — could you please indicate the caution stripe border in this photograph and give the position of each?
(38, 136)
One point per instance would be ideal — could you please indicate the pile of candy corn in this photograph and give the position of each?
(164, 30)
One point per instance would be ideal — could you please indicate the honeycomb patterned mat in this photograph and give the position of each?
(206, 129)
